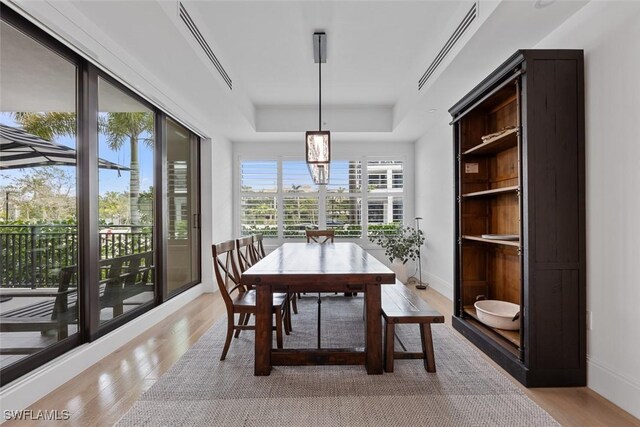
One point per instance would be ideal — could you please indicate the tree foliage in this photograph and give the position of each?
(48, 125)
(42, 194)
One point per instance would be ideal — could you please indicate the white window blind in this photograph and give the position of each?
(279, 199)
(259, 176)
(299, 214)
(384, 213)
(296, 178)
(344, 215)
(259, 208)
(345, 177)
(385, 176)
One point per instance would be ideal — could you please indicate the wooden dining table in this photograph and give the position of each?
(311, 267)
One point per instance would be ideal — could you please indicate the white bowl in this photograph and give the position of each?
(498, 314)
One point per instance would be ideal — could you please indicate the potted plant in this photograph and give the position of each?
(400, 245)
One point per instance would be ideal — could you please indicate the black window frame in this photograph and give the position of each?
(89, 327)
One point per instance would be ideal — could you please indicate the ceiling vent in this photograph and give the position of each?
(457, 34)
(191, 26)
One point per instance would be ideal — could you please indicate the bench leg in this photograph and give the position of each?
(389, 338)
(427, 347)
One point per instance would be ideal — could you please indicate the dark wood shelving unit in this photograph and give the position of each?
(526, 181)
(493, 192)
(515, 243)
(509, 139)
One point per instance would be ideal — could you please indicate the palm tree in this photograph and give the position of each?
(134, 127)
(118, 128)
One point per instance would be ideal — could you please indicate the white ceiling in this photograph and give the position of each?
(372, 47)
(377, 51)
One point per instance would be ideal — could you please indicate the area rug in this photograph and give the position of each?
(201, 390)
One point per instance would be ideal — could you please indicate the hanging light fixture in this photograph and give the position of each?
(318, 143)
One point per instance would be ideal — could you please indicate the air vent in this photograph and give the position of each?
(191, 26)
(462, 28)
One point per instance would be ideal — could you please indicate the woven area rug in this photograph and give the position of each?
(200, 390)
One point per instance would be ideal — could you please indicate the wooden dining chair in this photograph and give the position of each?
(238, 299)
(258, 245)
(247, 256)
(320, 236)
(246, 253)
(258, 250)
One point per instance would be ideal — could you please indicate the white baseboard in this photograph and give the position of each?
(33, 386)
(438, 284)
(613, 386)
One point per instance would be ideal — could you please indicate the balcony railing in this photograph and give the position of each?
(32, 255)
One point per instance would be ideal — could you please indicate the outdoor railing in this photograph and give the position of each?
(31, 255)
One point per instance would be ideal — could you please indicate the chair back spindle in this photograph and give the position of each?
(320, 236)
(246, 253)
(226, 271)
(259, 247)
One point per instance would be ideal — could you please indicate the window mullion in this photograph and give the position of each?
(364, 194)
(280, 201)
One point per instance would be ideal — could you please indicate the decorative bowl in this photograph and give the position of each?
(499, 314)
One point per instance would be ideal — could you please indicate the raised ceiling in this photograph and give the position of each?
(373, 48)
(377, 51)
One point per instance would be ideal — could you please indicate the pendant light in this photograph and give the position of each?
(318, 143)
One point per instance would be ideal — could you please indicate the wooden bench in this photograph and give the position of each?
(122, 278)
(400, 305)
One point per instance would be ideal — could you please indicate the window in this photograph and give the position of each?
(125, 202)
(259, 210)
(79, 184)
(279, 199)
(183, 244)
(38, 186)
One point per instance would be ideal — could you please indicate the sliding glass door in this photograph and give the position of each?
(38, 185)
(126, 276)
(99, 201)
(183, 236)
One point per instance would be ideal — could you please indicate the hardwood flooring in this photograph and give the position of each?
(101, 394)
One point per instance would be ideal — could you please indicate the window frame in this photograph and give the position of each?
(363, 194)
(89, 327)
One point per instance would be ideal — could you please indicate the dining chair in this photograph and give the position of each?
(320, 236)
(246, 253)
(259, 247)
(243, 301)
(247, 256)
(258, 250)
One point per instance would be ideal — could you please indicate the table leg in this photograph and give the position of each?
(264, 330)
(373, 332)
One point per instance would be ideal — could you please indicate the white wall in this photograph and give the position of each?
(216, 173)
(609, 33)
(434, 203)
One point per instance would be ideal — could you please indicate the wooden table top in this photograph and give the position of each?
(300, 262)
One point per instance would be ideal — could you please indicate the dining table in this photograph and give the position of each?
(312, 267)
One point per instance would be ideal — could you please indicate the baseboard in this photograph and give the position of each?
(613, 386)
(442, 286)
(30, 388)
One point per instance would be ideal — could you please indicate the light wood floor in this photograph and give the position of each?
(104, 392)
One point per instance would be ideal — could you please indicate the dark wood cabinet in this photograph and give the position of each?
(520, 214)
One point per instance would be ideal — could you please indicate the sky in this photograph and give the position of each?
(109, 180)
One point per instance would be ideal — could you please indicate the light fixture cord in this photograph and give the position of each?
(319, 83)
